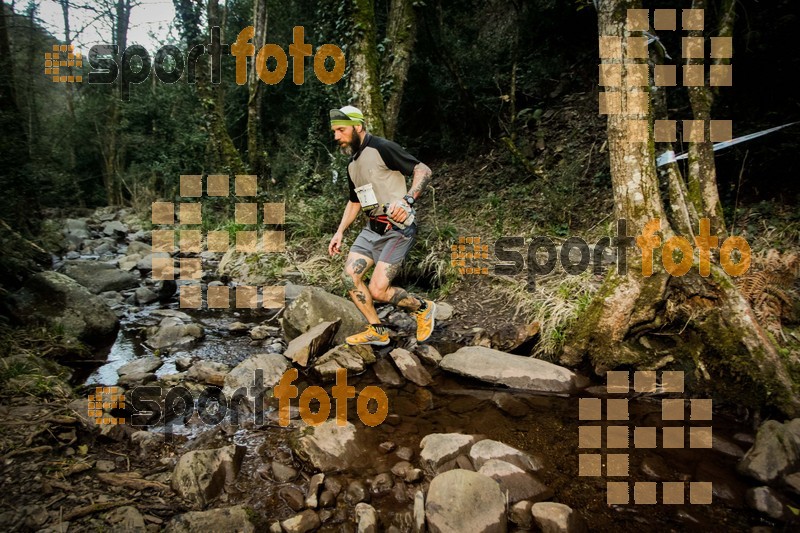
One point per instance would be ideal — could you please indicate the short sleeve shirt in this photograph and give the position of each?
(384, 164)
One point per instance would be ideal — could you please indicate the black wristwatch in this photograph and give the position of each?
(409, 199)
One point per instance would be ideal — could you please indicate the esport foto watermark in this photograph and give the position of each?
(170, 64)
(148, 405)
(472, 256)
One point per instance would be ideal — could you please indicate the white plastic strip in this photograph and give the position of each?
(670, 157)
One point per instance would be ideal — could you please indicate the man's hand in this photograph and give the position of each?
(335, 245)
(399, 210)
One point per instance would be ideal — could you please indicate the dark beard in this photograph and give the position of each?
(353, 146)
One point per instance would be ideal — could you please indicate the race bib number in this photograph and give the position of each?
(366, 197)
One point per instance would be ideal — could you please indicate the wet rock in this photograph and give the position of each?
(333, 484)
(312, 494)
(428, 353)
(330, 447)
(387, 447)
(172, 313)
(308, 520)
(438, 448)
(111, 297)
(356, 492)
(165, 290)
(444, 311)
(228, 520)
(183, 364)
(99, 277)
(386, 373)
(283, 473)
(238, 327)
(460, 500)
(203, 474)
(775, 452)
(136, 378)
(514, 371)
(767, 501)
(410, 367)
(144, 296)
(382, 484)
(419, 512)
(259, 333)
(414, 475)
(254, 376)
(557, 518)
(510, 405)
(352, 358)
(115, 228)
(405, 453)
(59, 302)
(292, 497)
(315, 305)
(327, 499)
(208, 372)
(514, 481)
(367, 518)
(487, 449)
(401, 469)
(143, 364)
(520, 514)
(172, 333)
(312, 343)
(127, 519)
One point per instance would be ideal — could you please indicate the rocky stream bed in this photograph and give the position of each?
(475, 438)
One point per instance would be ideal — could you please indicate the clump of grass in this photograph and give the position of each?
(23, 369)
(555, 302)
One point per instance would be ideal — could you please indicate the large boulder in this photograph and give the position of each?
(59, 302)
(201, 475)
(227, 520)
(330, 447)
(99, 277)
(776, 451)
(313, 306)
(513, 371)
(459, 501)
(488, 449)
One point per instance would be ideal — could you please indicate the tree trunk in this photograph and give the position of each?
(364, 74)
(256, 88)
(222, 154)
(701, 325)
(68, 87)
(402, 32)
(702, 168)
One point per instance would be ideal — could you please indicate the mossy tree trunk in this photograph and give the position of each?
(365, 83)
(222, 156)
(401, 32)
(255, 153)
(701, 325)
(702, 168)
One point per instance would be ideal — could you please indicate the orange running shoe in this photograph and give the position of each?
(370, 336)
(425, 321)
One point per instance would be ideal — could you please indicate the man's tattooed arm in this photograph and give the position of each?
(422, 177)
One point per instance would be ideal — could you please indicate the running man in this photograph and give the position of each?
(377, 176)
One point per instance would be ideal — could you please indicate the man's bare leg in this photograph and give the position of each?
(353, 279)
(380, 287)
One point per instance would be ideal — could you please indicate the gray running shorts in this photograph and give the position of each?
(391, 247)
